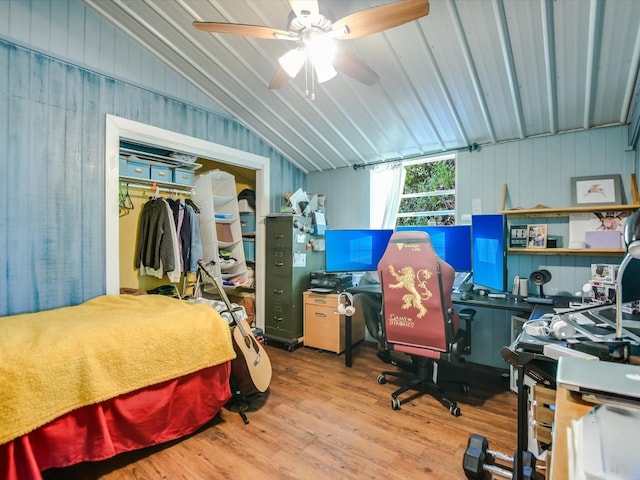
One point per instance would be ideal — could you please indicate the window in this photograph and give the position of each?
(429, 195)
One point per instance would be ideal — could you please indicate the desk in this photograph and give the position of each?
(372, 288)
(569, 407)
(525, 354)
(515, 304)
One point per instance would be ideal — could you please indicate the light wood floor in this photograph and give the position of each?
(322, 420)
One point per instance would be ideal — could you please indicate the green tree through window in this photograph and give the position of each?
(429, 195)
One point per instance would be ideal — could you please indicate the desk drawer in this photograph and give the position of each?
(544, 399)
(324, 327)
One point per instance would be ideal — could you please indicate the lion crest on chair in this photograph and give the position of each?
(416, 284)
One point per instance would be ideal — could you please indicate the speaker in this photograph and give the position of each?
(345, 304)
(539, 278)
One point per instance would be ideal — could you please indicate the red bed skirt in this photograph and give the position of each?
(146, 417)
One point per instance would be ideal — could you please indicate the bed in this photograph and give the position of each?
(114, 374)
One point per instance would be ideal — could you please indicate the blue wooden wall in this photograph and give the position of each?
(52, 130)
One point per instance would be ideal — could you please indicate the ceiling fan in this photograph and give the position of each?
(315, 32)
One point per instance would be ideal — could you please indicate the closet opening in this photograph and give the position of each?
(246, 166)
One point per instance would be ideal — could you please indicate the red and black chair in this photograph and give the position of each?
(419, 319)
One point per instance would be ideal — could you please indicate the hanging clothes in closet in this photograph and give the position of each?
(169, 240)
(188, 233)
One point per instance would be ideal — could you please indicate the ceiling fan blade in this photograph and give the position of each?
(383, 17)
(254, 31)
(279, 79)
(350, 64)
(305, 8)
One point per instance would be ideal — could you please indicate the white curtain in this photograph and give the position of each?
(387, 183)
(394, 181)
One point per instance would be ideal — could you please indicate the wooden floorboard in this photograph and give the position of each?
(320, 419)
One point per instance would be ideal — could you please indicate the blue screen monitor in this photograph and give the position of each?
(452, 243)
(489, 233)
(355, 250)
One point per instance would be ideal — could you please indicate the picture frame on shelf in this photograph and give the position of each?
(537, 235)
(518, 236)
(596, 190)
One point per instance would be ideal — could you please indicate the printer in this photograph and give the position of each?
(323, 282)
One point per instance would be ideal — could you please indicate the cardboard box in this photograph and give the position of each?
(604, 273)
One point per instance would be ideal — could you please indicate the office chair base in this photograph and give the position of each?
(423, 384)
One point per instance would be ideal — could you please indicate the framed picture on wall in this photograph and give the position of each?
(596, 190)
(537, 235)
(518, 236)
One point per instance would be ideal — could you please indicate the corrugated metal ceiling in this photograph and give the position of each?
(470, 72)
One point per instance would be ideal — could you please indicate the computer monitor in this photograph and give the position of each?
(452, 243)
(489, 234)
(631, 282)
(355, 250)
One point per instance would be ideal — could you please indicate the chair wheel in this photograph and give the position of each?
(395, 404)
(455, 411)
(382, 379)
(464, 388)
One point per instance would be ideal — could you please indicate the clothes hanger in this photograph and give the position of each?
(127, 201)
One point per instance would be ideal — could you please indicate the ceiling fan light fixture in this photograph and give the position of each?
(292, 61)
(324, 71)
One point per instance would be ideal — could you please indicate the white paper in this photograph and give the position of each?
(319, 219)
(299, 259)
(296, 198)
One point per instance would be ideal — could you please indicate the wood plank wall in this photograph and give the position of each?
(62, 69)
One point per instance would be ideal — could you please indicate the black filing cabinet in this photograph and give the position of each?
(290, 258)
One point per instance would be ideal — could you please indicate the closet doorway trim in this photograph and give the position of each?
(117, 129)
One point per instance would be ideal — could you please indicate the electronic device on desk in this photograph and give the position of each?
(325, 282)
(452, 243)
(355, 250)
(489, 233)
(539, 278)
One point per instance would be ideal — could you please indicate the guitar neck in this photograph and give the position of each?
(223, 295)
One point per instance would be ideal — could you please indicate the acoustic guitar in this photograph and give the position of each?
(251, 369)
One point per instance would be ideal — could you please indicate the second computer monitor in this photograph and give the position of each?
(489, 254)
(452, 243)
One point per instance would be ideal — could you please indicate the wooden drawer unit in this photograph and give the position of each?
(324, 326)
(544, 400)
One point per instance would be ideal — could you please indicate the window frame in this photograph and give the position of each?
(431, 193)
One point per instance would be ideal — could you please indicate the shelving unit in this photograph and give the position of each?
(220, 225)
(172, 165)
(544, 212)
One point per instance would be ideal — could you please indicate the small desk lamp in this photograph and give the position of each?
(632, 241)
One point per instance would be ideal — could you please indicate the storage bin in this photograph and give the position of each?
(182, 176)
(249, 245)
(247, 222)
(224, 233)
(137, 169)
(160, 173)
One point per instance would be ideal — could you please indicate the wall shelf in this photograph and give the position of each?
(565, 212)
(584, 252)
(548, 212)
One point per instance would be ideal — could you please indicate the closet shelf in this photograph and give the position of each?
(160, 159)
(136, 182)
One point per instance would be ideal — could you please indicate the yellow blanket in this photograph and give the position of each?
(56, 361)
